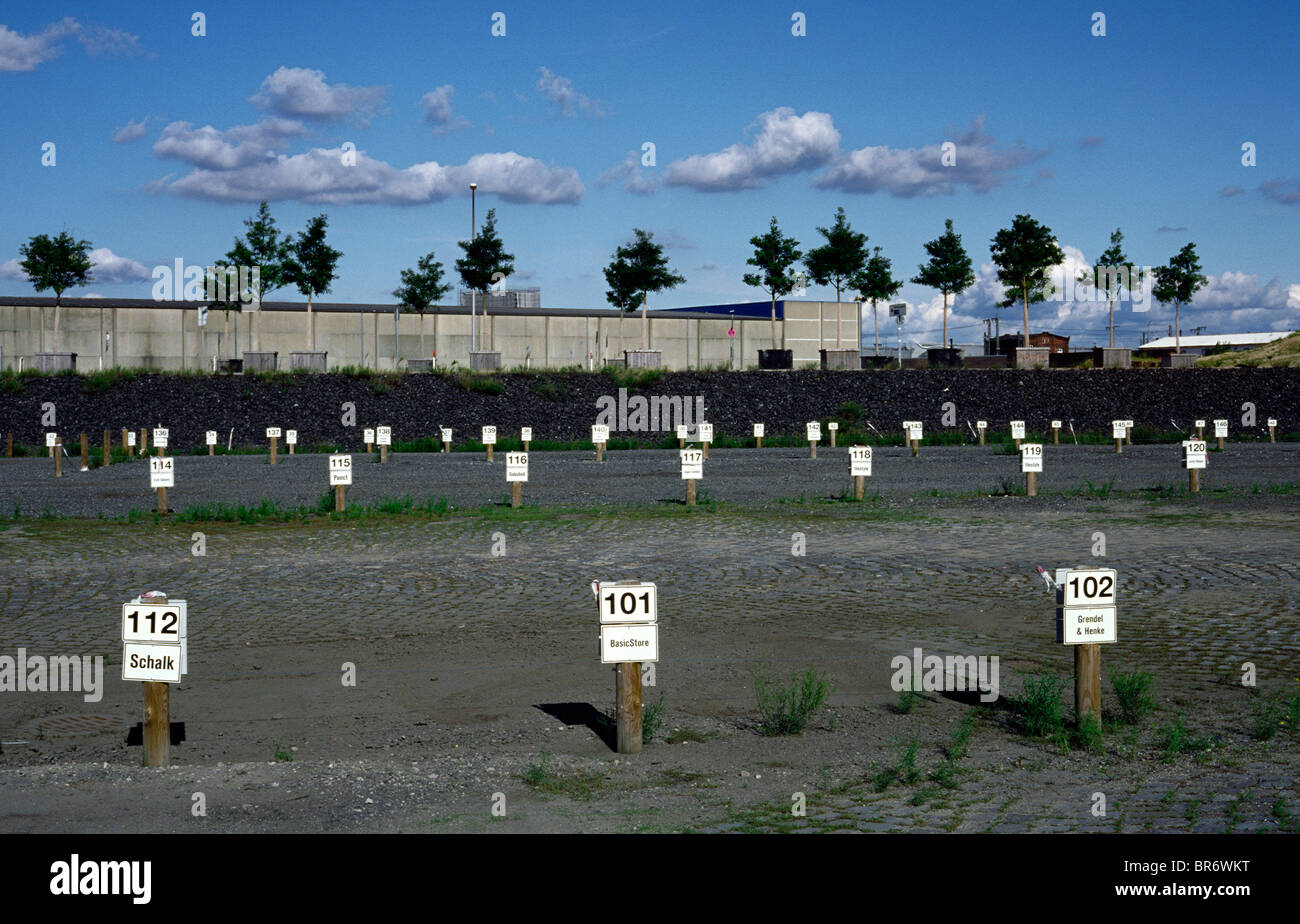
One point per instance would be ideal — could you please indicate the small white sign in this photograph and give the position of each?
(1017, 429)
(516, 466)
(981, 425)
(161, 472)
(368, 436)
(291, 437)
(489, 436)
(692, 464)
(340, 468)
(622, 603)
(162, 623)
(1117, 429)
(860, 461)
(682, 430)
(273, 433)
(833, 426)
(211, 437)
(446, 434)
(914, 431)
(1200, 424)
(130, 438)
(1087, 586)
(706, 432)
(1031, 457)
(1220, 429)
(620, 643)
(1056, 425)
(1195, 454)
(814, 430)
(384, 436)
(758, 431)
(149, 661)
(1272, 422)
(600, 433)
(526, 434)
(1128, 425)
(1086, 625)
(160, 437)
(52, 438)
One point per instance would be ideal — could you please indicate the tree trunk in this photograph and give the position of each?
(257, 326)
(1024, 291)
(311, 330)
(58, 300)
(774, 346)
(1178, 332)
(837, 318)
(645, 322)
(1112, 322)
(944, 343)
(423, 355)
(875, 317)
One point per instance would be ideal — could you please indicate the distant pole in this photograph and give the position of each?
(85, 453)
(473, 293)
(58, 457)
(108, 447)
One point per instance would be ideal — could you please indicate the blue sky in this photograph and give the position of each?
(166, 141)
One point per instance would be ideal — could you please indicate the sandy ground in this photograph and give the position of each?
(474, 640)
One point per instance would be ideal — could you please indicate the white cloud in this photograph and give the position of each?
(101, 40)
(20, 52)
(559, 92)
(1286, 192)
(783, 143)
(239, 146)
(12, 269)
(131, 131)
(910, 172)
(301, 92)
(109, 267)
(320, 175)
(631, 176)
(438, 111)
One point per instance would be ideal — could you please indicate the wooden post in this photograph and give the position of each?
(339, 501)
(759, 441)
(85, 453)
(446, 445)
(1056, 435)
(1128, 436)
(833, 432)
(383, 453)
(274, 442)
(1087, 681)
(144, 441)
(516, 494)
(1017, 442)
(212, 449)
(1272, 437)
(980, 431)
(916, 447)
(162, 500)
(1119, 445)
(58, 457)
(600, 452)
(370, 448)
(1220, 443)
(627, 699)
(108, 447)
(1031, 484)
(290, 447)
(1194, 480)
(690, 492)
(157, 722)
(490, 447)
(526, 442)
(1200, 433)
(812, 449)
(125, 448)
(706, 450)
(681, 443)
(859, 486)
(9, 446)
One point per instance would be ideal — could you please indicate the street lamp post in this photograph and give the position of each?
(473, 293)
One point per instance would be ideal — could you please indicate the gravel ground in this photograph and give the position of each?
(562, 479)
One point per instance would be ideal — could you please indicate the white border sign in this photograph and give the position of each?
(162, 474)
(340, 469)
(860, 461)
(1031, 457)
(516, 466)
(692, 464)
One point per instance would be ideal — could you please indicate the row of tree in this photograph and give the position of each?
(1025, 254)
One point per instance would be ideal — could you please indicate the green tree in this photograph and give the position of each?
(1023, 254)
(57, 263)
(485, 261)
(421, 288)
(876, 283)
(263, 247)
(774, 254)
(836, 262)
(949, 269)
(1176, 283)
(311, 267)
(1111, 276)
(637, 269)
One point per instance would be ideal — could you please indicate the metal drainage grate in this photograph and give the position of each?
(64, 725)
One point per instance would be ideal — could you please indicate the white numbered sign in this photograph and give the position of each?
(1272, 422)
(914, 431)
(860, 461)
(814, 431)
(1128, 426)
(368, 436)
(1195, 454)
(51, 439)
(160, 437)
(446, 434)
(1200, 424)
(706, 432)
(628, 602)
(981, 425)
(340, 469)
(384, 436)
(692, 464)
(1031, 457)
(833, 426)
(600, 433)
(161, 473)
(211, 437)
(1117, 429)
(1088, 586)
(1220, 428)
(489, 436)
(130, 438)
(273, 433)
(516, 466)
(1017, 429)
(758, 431)
(291, 437)
(526, 434)
(1056, 425)
(681, 431)
(154, 622)
(1086, 611)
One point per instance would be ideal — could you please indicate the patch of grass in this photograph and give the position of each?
(1039, 703)
(787, 710)
(633, 379)
(479, 383)
(551, 389)
(280, 753)
(1088, 732)
(652, 718)
(1273, 714)
(1174, 739)
(583, 785)
(1132, 691)
(906, 700)
(686, 736)
(904, 771)
(1101, 491)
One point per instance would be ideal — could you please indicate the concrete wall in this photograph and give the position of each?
(170, 338)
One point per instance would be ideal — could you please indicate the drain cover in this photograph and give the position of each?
(64, 725)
